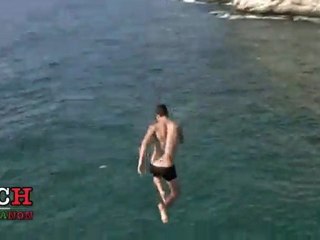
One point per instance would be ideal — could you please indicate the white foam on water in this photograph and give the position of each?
(307, 19)
(220, 14)
(194, 1)
(257, 17)
(227, 15)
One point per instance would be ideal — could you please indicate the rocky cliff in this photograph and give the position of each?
(294, 7)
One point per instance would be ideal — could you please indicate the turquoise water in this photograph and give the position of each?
(79, 81)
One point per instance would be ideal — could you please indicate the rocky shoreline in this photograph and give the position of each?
(309, 8)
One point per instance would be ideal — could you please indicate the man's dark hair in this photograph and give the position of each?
(162, 110)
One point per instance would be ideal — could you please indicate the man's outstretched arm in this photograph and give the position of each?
(143, 147)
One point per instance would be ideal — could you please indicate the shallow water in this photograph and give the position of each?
(79, 80)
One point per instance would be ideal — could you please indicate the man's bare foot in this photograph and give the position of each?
(163, 213)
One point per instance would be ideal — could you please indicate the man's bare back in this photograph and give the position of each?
(167, 136)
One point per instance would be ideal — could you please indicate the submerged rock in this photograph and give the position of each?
(292, 7)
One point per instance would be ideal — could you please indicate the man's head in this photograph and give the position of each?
(161, 111)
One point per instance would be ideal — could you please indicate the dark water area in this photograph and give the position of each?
(78, 85)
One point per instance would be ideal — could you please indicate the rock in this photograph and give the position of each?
(292, 7)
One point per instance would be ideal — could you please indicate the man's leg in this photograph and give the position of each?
(174, 192)
(158, 185)
(161, 205)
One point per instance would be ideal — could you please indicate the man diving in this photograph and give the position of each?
(164, 135)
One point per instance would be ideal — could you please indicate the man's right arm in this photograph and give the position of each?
(144, 144)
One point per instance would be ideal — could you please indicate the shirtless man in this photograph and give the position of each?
(164, 135)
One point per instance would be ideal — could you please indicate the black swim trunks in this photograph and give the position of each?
(167, 173)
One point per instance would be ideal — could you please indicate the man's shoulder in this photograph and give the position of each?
(152, 126)
(173, 124)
